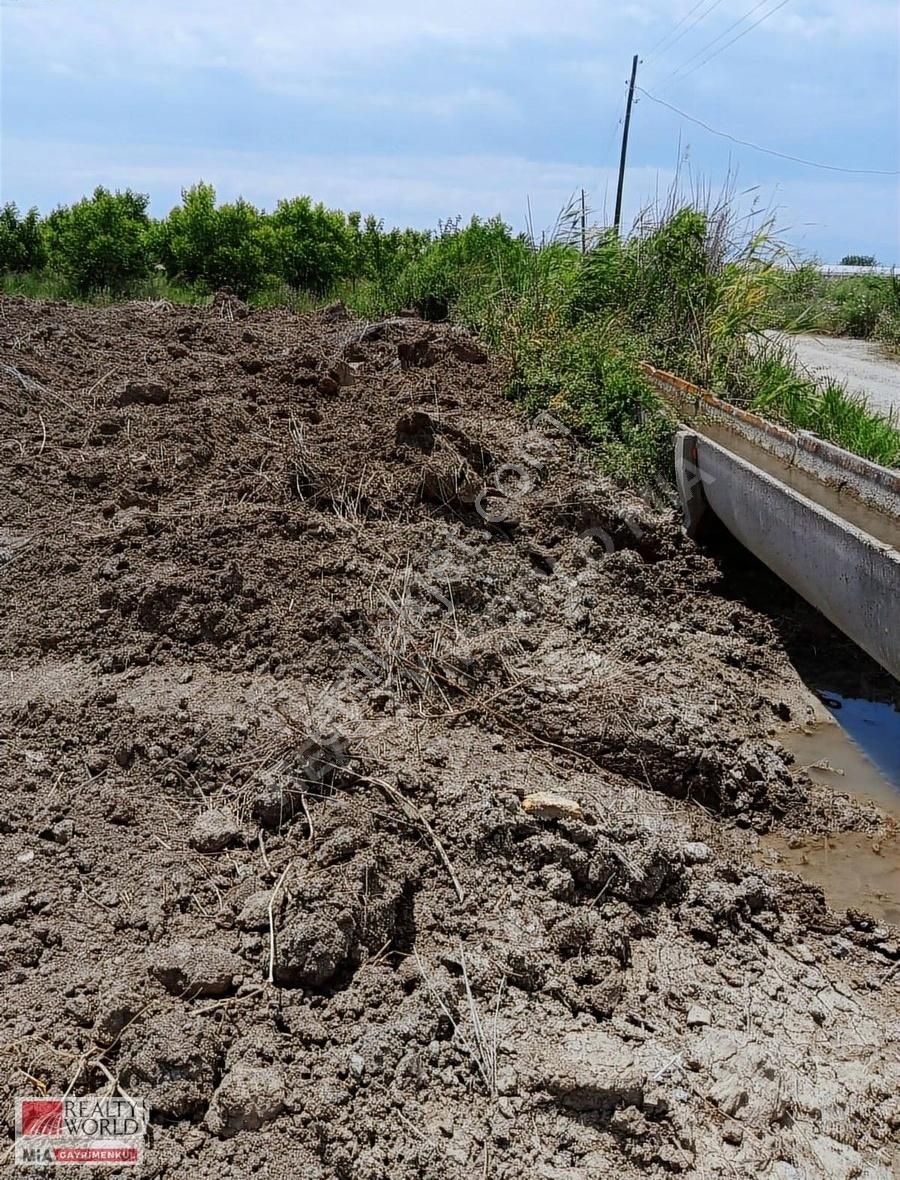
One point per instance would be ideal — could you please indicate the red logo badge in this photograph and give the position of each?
(42, 1116)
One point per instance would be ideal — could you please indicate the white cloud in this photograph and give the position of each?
(854, 217)
(404, 189)
(285, 41)
(278, 39)
(450, 103)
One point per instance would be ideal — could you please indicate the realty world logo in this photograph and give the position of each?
(94, 1131)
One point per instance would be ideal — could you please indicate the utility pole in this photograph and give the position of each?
(618, 218)
(583, 225)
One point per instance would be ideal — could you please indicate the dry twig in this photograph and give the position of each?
(271, 910)
(400, 800)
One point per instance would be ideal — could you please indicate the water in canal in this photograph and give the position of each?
(858, 756)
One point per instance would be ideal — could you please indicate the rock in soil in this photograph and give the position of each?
(546, 806)
(301, 617)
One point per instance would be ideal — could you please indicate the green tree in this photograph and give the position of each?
(380, 254)
(313, 245)
(217, 246)
(21, 240)
(858, 260)
(100, 241)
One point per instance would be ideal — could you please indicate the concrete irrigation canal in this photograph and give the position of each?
(824, 520)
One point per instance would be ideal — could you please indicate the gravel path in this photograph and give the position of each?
(859, 364)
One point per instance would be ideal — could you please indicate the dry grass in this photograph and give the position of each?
(480, 1036)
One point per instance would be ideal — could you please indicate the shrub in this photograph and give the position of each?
(377, 258)
(532, 307)
(669, 284)
(686, 285)
(854, 305)
(794, 297)
(100, 241)
(380, 256)
(462, 270)
(592, 378)
(856, 311)
(21, 241)
(216, 246)
(887, 330)
(313, 245)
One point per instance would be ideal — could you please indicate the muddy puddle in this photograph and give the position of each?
(858, 756)
(856, 870)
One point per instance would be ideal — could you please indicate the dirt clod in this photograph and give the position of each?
(247, 1097)
(174, 1060)
(214, 830)
(143, 393)
(312, 949)
(189, 969)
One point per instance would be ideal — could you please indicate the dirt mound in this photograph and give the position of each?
(378, 778)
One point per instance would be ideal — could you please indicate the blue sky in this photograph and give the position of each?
(418, 113)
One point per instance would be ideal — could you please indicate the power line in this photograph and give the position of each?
(768, 151)
(653, 48)
(715, 40)
(705, 13)
(765, 16)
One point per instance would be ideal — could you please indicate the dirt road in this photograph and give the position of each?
(381, 787)
(859, 364)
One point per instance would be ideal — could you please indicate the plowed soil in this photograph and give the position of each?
(381, 785)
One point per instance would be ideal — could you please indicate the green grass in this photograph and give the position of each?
(46, 284)
(770, 385)
(862, 306)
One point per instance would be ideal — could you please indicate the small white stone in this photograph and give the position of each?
(544, 805)
(729, 1094)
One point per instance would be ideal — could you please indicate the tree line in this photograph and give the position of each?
(108, 241)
